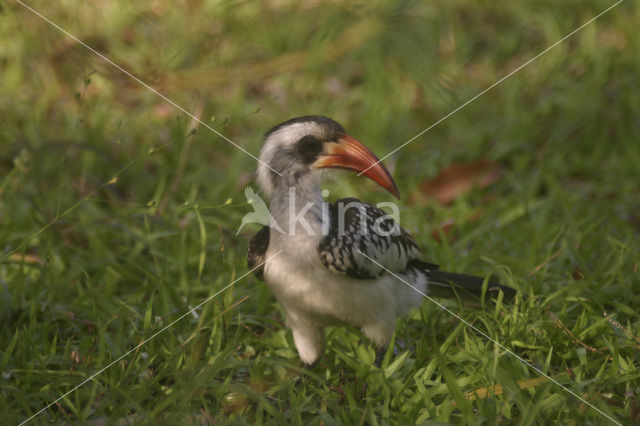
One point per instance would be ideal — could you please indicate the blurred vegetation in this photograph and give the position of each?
(118, 212)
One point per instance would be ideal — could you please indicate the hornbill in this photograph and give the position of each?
(339, 263)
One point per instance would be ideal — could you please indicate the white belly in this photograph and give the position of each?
(308, 290)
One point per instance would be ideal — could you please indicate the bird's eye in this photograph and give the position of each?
(308, 148)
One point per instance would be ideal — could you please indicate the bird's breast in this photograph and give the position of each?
(306, 288)
(295, 267)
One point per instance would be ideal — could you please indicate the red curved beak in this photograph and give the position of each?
(348, 153)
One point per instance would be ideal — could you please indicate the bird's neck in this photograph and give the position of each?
(299, 210)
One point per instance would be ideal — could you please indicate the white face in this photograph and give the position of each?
(288, 135)
(281, 149)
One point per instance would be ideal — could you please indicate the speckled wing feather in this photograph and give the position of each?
(357, 226)
(257, 251)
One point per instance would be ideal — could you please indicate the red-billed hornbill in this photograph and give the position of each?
(334, 259)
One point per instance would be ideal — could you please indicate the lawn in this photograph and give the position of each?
(119, 211)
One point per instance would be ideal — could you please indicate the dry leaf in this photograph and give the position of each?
(491, 391)
(26, 258)
(457, 179)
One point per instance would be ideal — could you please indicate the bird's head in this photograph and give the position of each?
(300, 148)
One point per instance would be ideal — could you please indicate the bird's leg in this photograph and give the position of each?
(380, 334)
(309, 341)
(381, 350)
(380, 353)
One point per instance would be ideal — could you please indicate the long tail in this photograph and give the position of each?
(465, 287)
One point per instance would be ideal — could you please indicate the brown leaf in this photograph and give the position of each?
(457, 179)
(25, 258)
(490, 391)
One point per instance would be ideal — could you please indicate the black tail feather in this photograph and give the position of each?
(453, 285)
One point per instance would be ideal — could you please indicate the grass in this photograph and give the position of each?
(116, 218)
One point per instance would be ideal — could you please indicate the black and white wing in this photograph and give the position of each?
(257, 251)
(356, 228)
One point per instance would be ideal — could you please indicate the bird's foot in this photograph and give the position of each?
(380, 353)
